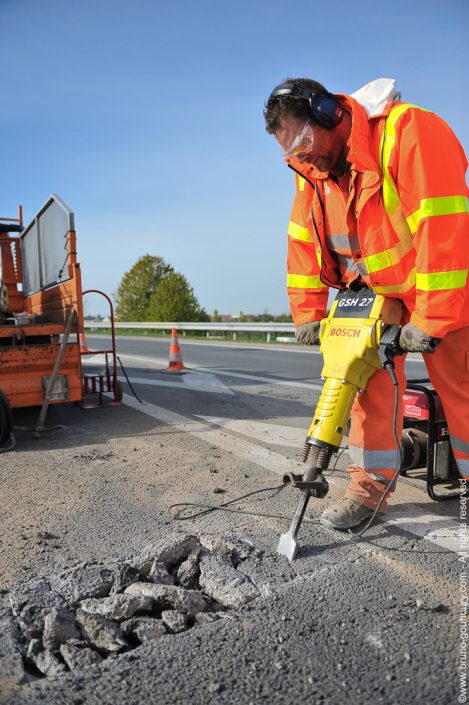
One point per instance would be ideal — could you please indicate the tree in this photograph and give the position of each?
(264, 317)
(215, 317)
(174, 300)
(138, 286)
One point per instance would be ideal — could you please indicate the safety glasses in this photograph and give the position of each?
(301, 146)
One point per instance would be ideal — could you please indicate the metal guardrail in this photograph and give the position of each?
(233, 328)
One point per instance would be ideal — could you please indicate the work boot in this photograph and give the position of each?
(346, 514)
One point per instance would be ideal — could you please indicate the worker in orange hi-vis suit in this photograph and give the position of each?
(381, 201)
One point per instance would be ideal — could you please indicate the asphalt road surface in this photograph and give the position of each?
(353, 620)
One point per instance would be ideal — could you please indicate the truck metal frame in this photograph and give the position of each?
(41, 313)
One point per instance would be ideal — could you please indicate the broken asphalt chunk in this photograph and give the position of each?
(79, 655)
(189, 601)
(144, 628)
(224, 583)
(102, 633)
(118, 607)
(60, 625)
(169, 551)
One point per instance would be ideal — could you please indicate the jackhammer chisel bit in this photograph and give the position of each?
(314, 484)
(287, 545)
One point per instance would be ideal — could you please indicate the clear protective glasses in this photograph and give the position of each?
(301, 146)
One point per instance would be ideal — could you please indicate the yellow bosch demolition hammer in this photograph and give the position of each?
(359, 336)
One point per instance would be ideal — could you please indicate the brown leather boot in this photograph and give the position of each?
(346, 514)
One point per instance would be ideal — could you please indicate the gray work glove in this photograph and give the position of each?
(308, 333)
(413, 339)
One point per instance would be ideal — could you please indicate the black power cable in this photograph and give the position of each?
(128, 381)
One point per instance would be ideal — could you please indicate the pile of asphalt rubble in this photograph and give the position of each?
(70, 621)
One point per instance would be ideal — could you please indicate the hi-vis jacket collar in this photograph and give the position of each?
(359, 142)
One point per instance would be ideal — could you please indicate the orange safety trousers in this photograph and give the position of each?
(372, 446)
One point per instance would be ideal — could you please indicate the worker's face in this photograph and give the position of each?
(308, 142)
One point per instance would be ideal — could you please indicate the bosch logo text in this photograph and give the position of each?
(346, 332)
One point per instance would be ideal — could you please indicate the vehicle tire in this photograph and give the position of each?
(6, 422)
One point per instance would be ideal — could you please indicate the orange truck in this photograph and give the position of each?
(41, 318)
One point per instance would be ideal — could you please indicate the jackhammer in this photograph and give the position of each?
(359, 336)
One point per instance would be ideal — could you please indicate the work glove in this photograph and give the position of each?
(308, 333)
(413, 339)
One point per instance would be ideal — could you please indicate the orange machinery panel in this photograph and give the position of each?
(28, 351)
(24, 368)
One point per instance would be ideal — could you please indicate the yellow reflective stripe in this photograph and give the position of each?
(301, 183)
(303, 281)
(374, 263)
(319, 258)
(397, 288)
(436, 281)
(298, 232)
(442, 205)
(387, 143)
(388, 258)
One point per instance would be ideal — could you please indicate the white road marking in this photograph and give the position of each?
(206, 382)
(194, 381)
(266, 432)
(266, 380)
(159, 364)
(445, 532)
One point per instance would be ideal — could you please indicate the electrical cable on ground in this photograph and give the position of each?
(128, 381)
(223, 506)
(207, 508)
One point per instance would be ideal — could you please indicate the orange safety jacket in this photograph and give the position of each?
(408, 204)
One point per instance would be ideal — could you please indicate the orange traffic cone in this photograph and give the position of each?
(175, 358)
(83, 344)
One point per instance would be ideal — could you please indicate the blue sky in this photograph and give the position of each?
(146, 118)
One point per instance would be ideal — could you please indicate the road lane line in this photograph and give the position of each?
(440, 530)
(266, 432)
(194, 382)
(265, 380)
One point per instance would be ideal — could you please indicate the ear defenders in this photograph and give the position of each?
(325, 108)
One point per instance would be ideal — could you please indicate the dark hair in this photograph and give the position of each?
(277, 107)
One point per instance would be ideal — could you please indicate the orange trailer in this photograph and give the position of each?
(41, 315)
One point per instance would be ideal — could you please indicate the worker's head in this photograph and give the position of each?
(304, 118)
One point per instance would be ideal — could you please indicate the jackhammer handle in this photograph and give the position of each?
(389, 345)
